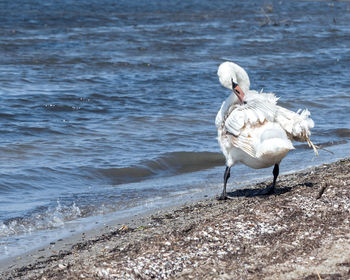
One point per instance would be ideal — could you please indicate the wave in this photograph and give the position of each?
(56, 214)
(342, 132)
(321, 145)
(45, 218)
(169, 164)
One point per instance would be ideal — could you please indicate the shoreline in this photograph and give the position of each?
(300, 232)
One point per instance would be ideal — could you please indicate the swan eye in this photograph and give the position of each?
(233, 84)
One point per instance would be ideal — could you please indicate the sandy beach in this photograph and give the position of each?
(300, 232)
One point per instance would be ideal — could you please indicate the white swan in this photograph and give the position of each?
(252, 129)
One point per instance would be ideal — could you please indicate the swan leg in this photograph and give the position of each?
(227, 174)
(275, 172)
(271, 189)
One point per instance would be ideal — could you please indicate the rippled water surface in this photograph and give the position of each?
(109, 106)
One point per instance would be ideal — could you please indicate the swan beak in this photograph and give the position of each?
(239, 92)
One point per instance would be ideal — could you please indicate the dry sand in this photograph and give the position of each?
(300, 232)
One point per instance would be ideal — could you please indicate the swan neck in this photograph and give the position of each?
(242, 79)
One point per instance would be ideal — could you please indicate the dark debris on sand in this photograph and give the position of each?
(300, 232)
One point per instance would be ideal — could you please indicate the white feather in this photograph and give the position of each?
(258, 133)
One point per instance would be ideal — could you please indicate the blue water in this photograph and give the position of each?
(108, 107)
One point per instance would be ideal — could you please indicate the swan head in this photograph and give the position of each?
(235, 78)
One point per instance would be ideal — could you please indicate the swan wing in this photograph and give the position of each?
(242, 120)
(254, 112)
(296, 124)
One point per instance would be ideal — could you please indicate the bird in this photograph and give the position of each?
(252, 129)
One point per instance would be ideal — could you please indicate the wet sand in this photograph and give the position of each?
(300, 232)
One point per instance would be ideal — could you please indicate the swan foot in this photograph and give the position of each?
(222, 197)
(269, 190)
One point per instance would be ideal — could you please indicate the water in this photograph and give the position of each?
(107, 108)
